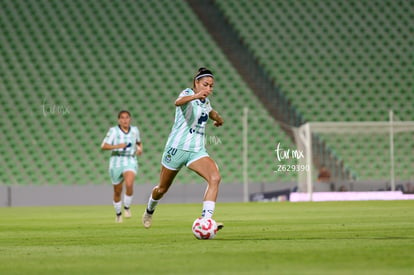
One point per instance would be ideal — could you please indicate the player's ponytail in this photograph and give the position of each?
(124, 112)
(202, 72)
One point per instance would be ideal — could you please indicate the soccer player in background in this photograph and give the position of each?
(185, 145)
(125, 142)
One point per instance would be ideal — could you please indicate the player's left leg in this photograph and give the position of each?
(129, 177)
(207, 168)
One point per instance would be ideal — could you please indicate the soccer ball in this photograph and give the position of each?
(204, 228)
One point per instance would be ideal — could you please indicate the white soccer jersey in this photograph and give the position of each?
(116, 136)
(191, 118)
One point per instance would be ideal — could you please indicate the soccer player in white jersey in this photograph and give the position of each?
(125, 142)
(185, 145)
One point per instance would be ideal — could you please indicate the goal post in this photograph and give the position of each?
(386, 129)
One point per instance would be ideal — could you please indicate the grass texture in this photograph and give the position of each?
(375, 237)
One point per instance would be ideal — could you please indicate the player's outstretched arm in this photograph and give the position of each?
(218, 120)
(185, 99)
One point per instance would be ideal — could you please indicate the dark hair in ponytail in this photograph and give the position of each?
(202, 72)
(124, 112)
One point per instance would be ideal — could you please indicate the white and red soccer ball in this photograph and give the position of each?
(204, 228)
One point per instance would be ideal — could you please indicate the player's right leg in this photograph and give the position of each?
(118, 202)
(166, 178)
(117, 181)
(171, 162)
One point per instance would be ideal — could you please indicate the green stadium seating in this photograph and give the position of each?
(96, 58)
(337, 61)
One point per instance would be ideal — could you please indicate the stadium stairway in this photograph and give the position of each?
(338, 61)
(255, 75)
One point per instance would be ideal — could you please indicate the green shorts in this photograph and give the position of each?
(117, 172)
(174, 159)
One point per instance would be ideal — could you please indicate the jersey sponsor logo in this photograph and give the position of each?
(192, 130)
(203, 118)
(202, 102)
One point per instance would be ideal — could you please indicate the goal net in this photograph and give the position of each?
(358, 156)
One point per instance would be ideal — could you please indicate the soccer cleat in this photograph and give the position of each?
(127, 213)
(220, 225)
(118, 218)
(147, 219)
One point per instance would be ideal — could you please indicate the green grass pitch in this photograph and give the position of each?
(258, 238)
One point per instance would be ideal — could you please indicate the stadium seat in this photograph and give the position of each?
(347, 55)
(66, 54)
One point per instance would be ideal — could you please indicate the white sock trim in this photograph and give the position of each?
(152, 204)
(127, 201)
(208, 209)
(118, 207)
